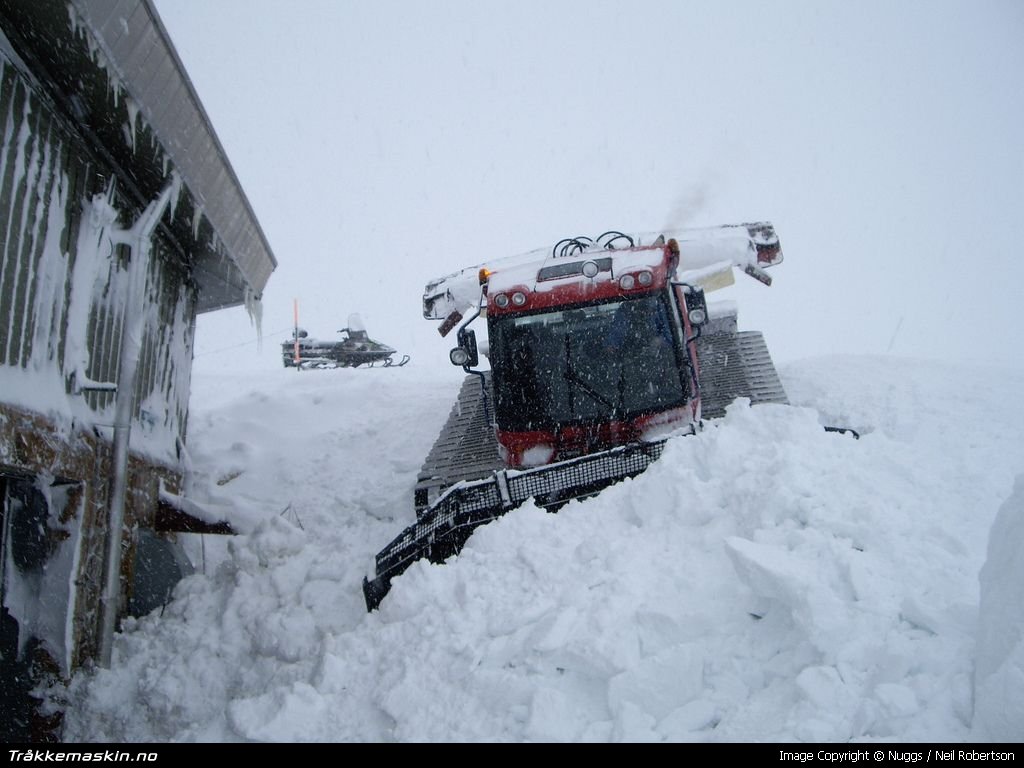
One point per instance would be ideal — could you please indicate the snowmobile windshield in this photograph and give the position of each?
(589, 364)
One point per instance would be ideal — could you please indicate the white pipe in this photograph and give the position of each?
(133, 326)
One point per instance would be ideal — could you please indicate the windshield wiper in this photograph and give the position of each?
(571, 376)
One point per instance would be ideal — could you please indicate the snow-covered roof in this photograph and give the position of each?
(112, 66)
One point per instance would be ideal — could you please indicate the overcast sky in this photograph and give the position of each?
(383, 144)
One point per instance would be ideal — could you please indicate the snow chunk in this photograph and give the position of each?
(999, 667)
(819, 605)
(661, 683)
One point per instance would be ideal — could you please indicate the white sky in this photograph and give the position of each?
(383, 144)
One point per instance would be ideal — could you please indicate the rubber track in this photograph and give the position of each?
(736, 365)
(466, 448)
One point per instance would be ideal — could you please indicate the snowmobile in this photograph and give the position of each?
(597, 350)
(355, 350)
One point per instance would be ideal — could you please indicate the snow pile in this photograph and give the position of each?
(335, 447)
(765, 580)
(999, 673)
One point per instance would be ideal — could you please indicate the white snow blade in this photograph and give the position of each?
(751, 247)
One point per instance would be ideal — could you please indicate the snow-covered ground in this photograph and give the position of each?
(764, 581)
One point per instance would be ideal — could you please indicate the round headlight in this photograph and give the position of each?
(645, 278)
(697, 316)
(518, 298)
(501, 300)
(590, 269)
(627, 282)
(458, 356)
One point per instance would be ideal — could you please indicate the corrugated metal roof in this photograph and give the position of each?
(136, 45)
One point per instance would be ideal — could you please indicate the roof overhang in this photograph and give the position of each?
(112, 69)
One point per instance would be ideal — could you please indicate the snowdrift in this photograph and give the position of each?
(999, 672)
(764, 581)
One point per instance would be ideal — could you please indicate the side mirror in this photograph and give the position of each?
(465, 355)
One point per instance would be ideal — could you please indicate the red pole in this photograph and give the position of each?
(297, 359)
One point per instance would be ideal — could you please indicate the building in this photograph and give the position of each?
(120, 220)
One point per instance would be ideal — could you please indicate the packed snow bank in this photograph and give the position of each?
(325, 445)
(765, 580)
(999, 670)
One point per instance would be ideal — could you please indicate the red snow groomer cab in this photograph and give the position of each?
(598, 350)
(591, 350)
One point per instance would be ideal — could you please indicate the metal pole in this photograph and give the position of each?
(133, 326)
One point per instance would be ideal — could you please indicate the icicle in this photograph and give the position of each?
(52, 280)
(28, 230)
(95, 245)
(254, 306)
(78, 27)
(176, 185)
(133, 117)
(73, 20)
(22, 167)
